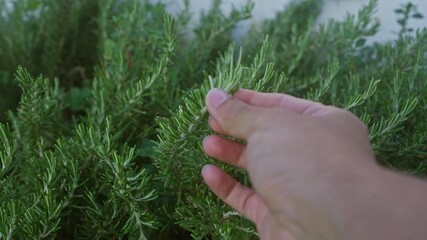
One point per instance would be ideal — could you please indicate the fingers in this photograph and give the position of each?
(215, 126)
(242, 199)
(284, 101)
(233, 116)
(225, 150)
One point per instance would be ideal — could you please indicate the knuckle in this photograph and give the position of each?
(232, 111)
(354, 118)
(246, 199)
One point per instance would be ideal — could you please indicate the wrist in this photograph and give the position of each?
(392, 208)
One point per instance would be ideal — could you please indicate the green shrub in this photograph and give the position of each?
(106, 142)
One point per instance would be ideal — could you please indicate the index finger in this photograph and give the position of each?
(279, 100)
(236, 118)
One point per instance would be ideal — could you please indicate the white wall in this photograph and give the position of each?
(331, 9)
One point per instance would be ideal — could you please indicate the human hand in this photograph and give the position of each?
(312, 168)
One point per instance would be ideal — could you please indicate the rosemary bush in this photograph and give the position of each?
(102, 108)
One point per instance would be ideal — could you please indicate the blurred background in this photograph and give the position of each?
(335, 9)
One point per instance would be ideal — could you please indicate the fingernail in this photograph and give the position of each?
(216, 97)
(204, 169)
(204, 141)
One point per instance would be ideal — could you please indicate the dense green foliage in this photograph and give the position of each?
(102, 108)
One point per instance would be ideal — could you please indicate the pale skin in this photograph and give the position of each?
(312, 168)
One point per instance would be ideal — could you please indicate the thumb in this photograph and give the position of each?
(235, 118)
